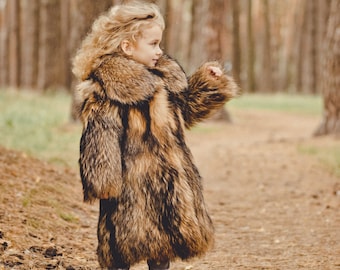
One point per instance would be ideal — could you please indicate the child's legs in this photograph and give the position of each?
(107, 251)
(156, 265)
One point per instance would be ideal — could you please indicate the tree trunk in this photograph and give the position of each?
(267, 85)
(216, 30)
(324, 9)
(213, 42)
(49, 45)
(288, 60)
(65, 26)
(313, 46)
(330, 77)
(301, 50)
(173, 24)
(236, 56)
(14, 44)
(178, 25)
(197, 53)
(29, 52)
(251, 87)
(4, 45)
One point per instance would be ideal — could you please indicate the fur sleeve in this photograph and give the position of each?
(206, 94)
(100, 157)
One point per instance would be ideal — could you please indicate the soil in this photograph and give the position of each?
(273, 205)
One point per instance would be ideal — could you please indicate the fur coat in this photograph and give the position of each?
(133, 148)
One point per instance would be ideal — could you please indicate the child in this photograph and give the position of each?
(135, 102)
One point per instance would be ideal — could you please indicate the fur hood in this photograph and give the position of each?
(129, 82)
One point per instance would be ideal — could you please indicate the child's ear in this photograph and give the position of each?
(127, 47)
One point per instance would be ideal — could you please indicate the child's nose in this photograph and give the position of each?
(159, 51)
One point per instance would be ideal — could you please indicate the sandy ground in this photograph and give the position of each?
(273, 206)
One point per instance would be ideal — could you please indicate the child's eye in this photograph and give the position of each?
(155, 43)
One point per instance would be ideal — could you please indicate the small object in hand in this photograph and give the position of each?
(216, 71)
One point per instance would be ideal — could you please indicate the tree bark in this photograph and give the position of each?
(236, 56)
(4, 45)
(288, 61)
(313, 46)
(173, 25)
(65, 26)
(49, 46)
(197, 53)
(323, 14)
(216, 30)
(301, 50)
(14, 44)
(330, 77)
(267, 85)
(251, 87)
(213, 43)
(30, 38)
(178, 25)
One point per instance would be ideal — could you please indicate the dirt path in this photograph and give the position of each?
(273, 207)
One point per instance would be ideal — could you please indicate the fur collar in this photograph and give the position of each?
(128, 81)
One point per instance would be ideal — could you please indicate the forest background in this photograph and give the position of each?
(273, 189)
(267, 45)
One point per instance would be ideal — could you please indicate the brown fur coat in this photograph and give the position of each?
(133, 148)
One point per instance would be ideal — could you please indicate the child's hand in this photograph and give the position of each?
(215, 71)
(104, 196)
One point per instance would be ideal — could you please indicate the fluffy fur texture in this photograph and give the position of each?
(133, 148)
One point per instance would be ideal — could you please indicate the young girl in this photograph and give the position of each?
(135, 102)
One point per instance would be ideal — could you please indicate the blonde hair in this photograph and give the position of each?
(126, 21)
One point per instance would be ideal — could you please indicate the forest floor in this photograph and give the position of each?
(274, 204)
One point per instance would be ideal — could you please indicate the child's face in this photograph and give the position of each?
(146, 50)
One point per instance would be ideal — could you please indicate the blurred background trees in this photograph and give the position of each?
(267, 45)
(330, 74)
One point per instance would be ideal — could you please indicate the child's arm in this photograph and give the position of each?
(209, 89)
(100, 158)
